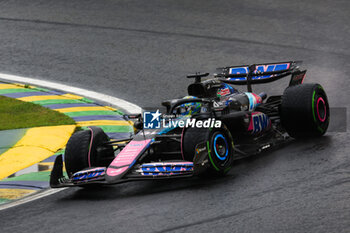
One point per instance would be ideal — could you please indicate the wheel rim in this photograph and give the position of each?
(321, 109)
(220, 147)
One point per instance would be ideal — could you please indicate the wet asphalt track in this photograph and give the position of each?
(141, 51)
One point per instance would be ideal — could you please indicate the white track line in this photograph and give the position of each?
(122, 104)
(119, 103)
(30, 198)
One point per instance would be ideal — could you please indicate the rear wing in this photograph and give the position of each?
(261, 73)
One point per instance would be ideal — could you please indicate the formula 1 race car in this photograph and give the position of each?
(203, 133)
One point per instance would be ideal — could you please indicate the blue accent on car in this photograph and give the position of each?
(251, 100)
(260, 68)
(164, 169)
(216, 153)
(166, 130)
(83, 175)
(132, 164)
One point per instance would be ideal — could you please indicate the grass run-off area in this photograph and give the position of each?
(16, 114)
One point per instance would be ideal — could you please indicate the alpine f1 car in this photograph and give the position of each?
(204, 132)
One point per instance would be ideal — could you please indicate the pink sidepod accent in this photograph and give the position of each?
(259, 122)
(258, 98)
(250, 127)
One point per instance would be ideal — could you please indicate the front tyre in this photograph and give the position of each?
(86, 149)
(218, 143)
(220, 151)
(305, 110)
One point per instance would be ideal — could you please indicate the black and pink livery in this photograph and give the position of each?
(251, 123)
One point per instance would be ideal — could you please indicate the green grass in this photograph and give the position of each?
(2, 200)
(16, 114)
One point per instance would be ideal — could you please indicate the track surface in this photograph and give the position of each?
(141, 51)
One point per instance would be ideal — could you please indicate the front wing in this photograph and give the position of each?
(98, 175)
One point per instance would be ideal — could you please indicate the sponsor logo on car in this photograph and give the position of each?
(199, 150)
(224, 92)
(165, 168)
(259, 122)
(260, 68)
(89, 174)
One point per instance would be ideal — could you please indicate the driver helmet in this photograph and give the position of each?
(189, 109)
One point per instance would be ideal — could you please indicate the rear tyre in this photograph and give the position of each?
(305, 110)
(85, 149)
(219, 145)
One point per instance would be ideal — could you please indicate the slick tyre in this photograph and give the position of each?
(219, 145)
(305, 110)
(85, 149)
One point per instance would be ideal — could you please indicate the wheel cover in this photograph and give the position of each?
(220, 147)
(321, 109)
